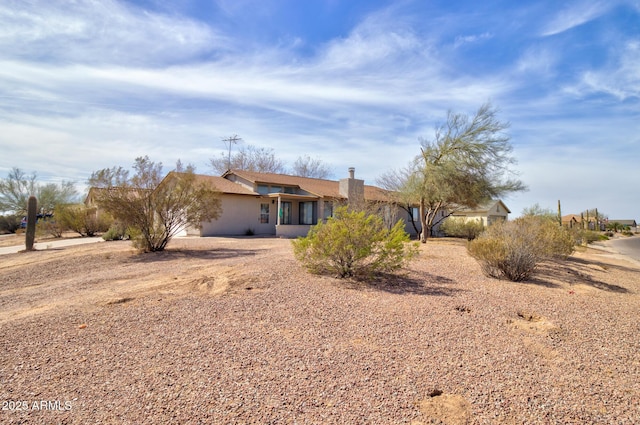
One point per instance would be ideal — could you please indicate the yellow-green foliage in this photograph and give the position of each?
(457, 227)
(82, 220)
(513, 249)
(354, 244)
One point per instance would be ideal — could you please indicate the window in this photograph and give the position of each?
(328, 209)
(414, 215)
(308, 214)
(289, 189)
(275, 189)
(263, 189)
(264, 213)
(285, 213)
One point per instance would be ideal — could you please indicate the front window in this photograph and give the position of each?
(308, 213)
(328, 209)
(263, 189)
(264, 213)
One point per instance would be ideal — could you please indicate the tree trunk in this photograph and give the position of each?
(425, 231)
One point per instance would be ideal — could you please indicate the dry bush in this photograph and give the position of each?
(513, 249)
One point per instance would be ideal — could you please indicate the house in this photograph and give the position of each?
(488, 213)
(631, 224)
(571, 221)
(287, 206)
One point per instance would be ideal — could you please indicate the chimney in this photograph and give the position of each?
(352, 188)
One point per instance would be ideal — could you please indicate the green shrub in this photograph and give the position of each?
(9, 223)
(513, 249)
(354, 244)
(82, 220)
(118, 232)
(457, 227)
(585, 237)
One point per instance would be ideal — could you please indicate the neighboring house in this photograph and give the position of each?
(571, 221)
(631, 224)
(287, 206)
(488, 213)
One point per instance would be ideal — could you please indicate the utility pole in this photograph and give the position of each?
(232, 140)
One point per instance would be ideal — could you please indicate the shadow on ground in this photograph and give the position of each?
(186, 253)
(575, 271)
(426, 284)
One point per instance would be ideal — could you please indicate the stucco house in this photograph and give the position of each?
(629, 223)
(488, 213)
(287, 206)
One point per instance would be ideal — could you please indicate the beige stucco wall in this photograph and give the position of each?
(239, 214)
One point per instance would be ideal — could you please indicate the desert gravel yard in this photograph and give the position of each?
(234, 331)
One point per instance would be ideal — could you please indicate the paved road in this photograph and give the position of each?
(51, 244)
(627, 246)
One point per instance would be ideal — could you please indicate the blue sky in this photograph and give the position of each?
(86, 85)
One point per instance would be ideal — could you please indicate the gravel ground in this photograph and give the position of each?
(223, 330)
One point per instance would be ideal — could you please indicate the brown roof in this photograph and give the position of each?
(318, 187)
(226, 186)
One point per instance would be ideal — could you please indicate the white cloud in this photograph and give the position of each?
(575, 15)
(620, 79)
(99, 32)
(471, 39)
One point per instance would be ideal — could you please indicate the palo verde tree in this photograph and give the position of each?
(156, 207)
(17, 187)
(466, 164)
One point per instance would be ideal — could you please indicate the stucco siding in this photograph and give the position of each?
(239, 214)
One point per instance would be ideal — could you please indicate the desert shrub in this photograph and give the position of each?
(9, 223)
(513, 249)
(82, 220)
(354, 244)
(119, 231)
(585, 237)
(50, 227)
(460, 228)
(627, 232)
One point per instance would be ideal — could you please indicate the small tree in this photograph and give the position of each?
(514, 248)
(16, 188)
(157, 209)
(354, 244)
(466, 164)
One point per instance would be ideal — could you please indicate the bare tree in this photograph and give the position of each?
(249, 158)
(310, 167)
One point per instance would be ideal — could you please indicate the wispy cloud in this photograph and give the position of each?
(574, 15)
(100, 32)
(471, 39)
(620, 78)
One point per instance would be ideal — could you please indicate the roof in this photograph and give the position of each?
(486, 206)
(225, 186)
(319, 187)
(630, 222)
